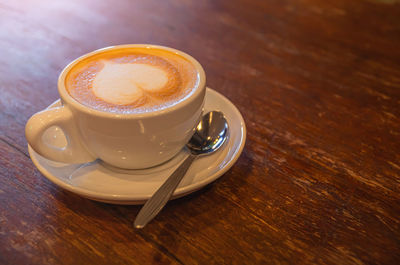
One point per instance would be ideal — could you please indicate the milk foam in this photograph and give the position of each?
(132, 80)
(126, 83)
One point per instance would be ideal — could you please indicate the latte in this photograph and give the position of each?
(132, 80)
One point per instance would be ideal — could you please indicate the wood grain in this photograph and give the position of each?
(318, 83)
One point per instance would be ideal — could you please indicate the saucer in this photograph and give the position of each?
(100, 182)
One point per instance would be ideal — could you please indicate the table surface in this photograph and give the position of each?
(318, 84)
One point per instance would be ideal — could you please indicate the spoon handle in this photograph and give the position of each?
(154, 205)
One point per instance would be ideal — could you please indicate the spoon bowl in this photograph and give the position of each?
(209, 135)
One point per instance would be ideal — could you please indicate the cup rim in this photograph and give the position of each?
(65, 96)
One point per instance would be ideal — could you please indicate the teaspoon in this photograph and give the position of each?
(210, 134)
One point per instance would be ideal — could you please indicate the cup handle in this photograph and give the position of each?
(62, 117)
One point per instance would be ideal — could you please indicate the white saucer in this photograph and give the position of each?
(101, 183)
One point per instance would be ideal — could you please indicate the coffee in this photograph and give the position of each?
(132, 80)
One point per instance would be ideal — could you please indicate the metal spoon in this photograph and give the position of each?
(210, 134)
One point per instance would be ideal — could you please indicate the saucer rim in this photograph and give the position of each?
(131, 199)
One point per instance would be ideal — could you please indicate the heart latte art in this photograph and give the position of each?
(133, 80)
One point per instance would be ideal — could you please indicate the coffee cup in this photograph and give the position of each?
(131, 106)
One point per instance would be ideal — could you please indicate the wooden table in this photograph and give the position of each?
(318, 84)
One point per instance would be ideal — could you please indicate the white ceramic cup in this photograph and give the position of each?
(130, 141)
